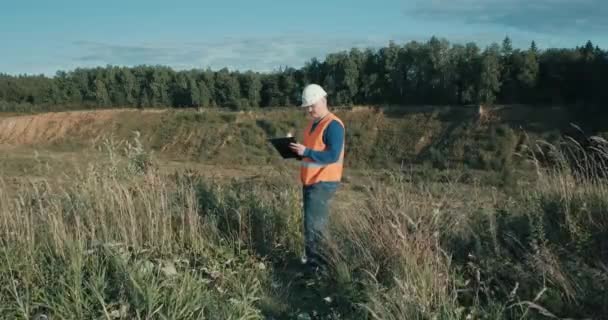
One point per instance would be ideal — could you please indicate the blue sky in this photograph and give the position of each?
(46, 36)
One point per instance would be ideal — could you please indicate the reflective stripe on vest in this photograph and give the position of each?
(317, 165)
(312, 172)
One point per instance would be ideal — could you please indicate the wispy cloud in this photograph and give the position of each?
(540, 16)
(260, 54)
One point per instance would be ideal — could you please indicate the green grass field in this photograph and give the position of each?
(195, 217)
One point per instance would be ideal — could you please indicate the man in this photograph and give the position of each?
(321, 168)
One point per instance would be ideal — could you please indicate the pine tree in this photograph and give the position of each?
(533, 47)
(227, 89)
(271, 94)
(101, 93)
(251, 87)
(489, 78)
(508, 92)
(528, 72)
(507, 47)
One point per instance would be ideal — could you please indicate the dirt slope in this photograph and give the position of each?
(50, 127)
(405, 135)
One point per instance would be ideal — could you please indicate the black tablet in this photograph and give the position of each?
(282, 146)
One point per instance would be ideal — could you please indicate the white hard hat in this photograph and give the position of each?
(311, 94)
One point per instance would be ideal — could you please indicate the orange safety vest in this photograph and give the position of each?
(312, 172)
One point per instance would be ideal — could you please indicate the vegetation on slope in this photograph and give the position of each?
(122, 240)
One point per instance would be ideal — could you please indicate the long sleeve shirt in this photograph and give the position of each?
(333, 137)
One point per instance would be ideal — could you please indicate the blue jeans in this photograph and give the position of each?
(317, 198)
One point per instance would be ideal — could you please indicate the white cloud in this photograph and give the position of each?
(577, 17)
(260, 54)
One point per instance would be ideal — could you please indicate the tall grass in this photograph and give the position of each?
(120, 240)
(452, 251)
(393, 245)
(117, 243)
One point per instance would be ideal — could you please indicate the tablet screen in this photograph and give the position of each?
(282, 146)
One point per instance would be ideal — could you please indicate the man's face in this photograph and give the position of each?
(317, 110)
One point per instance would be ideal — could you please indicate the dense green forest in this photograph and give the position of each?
(433, 72)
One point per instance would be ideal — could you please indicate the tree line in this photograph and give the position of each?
(432, 72)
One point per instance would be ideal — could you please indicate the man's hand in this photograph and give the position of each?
(297, 148)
